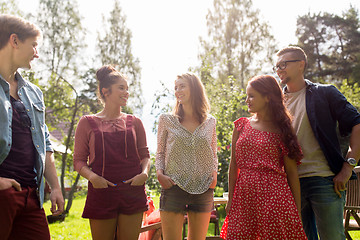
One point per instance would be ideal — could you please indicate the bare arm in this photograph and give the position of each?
(56, 197)
(344, 175)
(293, 180)
(233, 170)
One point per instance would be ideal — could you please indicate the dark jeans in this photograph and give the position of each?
(322, 209)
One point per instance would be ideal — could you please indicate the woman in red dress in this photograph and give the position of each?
(264, 190)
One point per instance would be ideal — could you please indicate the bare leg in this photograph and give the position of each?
(129, 226)
(198, 225)
(103, 229)
(171, 224)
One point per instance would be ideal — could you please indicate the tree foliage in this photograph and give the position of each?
(230, 110)
(332, 44)
(63, 37)
(10, 7)
(115, 48)
(351, 92)
(239, 44)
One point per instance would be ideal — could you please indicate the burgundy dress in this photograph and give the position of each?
(262, 206)
(117, 160)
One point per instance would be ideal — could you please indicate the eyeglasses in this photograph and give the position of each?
(282, 65)
(19, 107)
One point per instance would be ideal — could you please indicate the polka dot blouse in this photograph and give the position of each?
(187, 158)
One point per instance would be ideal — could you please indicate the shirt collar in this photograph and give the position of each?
(307, 82)
(18, 78)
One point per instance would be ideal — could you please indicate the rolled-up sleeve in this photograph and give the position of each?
(49, 147)
(343, 111)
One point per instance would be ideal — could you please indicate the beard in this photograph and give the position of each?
(286, 80)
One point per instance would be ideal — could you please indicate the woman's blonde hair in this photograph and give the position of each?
(198, 98)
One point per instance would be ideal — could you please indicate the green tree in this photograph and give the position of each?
(351, 92)
(115, 49)
(64, 37)
(63, 42)
(10, 7)
(332, 44)
(232, 109)
(238, 44)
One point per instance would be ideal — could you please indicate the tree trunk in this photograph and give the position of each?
(71, 194)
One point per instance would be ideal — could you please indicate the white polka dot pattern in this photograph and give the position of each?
(262, 206)
(187, 158)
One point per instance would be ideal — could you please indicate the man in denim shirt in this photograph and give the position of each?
(25, 150)
(324, 172)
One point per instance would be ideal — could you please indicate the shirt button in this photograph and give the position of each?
(28, 110)
(37, 146)
(32, 128)
(19, 94)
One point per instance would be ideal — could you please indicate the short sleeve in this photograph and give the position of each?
(240, 123)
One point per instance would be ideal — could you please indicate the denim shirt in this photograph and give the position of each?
(328, 108)
(32, 98)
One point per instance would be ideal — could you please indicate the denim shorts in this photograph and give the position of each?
(177, 200)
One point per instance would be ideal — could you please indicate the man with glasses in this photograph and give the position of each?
(317, 110)
(25, 150)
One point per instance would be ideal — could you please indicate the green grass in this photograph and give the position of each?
(74, 227)
(77, 228)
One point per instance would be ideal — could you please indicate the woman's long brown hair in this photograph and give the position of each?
(199, 100)
(268, 86)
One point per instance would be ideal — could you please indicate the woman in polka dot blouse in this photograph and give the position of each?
(186, 161)
(264, 188)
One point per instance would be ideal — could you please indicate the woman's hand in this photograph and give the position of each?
(100, 182)
(213, 184)
(165, 181)
(138, 180)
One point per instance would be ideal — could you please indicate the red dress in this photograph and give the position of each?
(262, 206)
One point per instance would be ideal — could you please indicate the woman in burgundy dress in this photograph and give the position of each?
(264, 189)
(111, 152)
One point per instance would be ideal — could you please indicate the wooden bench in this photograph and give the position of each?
(352, 205)
(153, 226)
